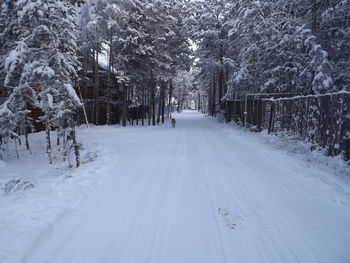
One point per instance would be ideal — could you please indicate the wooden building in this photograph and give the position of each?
(97, 97)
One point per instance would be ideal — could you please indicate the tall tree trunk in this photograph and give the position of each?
(75, 146)
(27, 143)
(199, 102)
(58, 137)
(27, 131)
(85, 84)
(110, 68)
(214, 97)
(128, 111)
(124, 110)
(137, 115)
(64, 144)
(16, 149)
(93, 108)
(84, 94)
(153, 99)
(171, 89)
(221, 76)
(143, 106)
(254, 87)
(48, 141)
(149, 106)
(163, 102)
(313, 21)
(97, 81)
(132, 109)
(209, 106)
(313, 16)
(221, 86)
(160, 103)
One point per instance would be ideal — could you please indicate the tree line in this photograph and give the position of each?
(297, 47)
(47, 45)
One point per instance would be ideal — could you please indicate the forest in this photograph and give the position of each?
(156, 55)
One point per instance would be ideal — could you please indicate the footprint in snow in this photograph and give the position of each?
(230, 221)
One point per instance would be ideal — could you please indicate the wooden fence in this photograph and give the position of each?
(322, 120)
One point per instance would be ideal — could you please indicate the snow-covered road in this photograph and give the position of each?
(197, 194)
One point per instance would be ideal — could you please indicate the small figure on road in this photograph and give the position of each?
(173, 122)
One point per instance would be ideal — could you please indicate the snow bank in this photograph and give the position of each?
(311, 155)
(34, 193)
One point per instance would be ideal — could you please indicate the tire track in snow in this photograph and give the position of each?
(159, 246)
(155, 196)
(212, 204)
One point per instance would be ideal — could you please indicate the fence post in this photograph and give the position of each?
(245, 110)
(272, 110)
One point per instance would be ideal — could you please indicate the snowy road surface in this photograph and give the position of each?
(197, 194)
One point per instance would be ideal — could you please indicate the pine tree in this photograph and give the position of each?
(334, 37)
(45, 58)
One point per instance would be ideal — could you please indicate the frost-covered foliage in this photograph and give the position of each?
(274, 46)
(275, 50)
(40, 64)
(334, 35)
(211, 46)
(184, 89)
(144, 42)
(7, 121)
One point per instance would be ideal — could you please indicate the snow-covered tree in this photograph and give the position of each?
(210, 36)
(44, 58)
(334, 35)
(267, 48)
(7, 125)
(183, 88)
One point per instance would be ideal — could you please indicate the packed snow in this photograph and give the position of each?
(202, 192)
